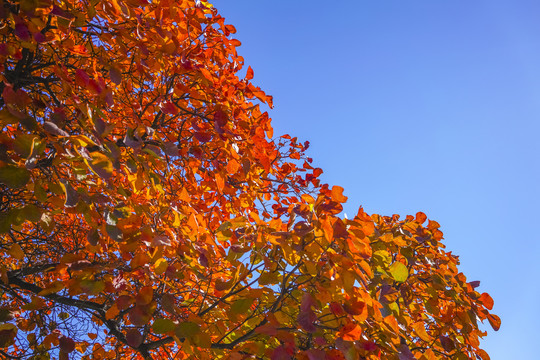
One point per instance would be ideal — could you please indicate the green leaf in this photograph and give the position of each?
(241, 306)
(31, 213)
(14, 177)
(162, 326)
(399, 271)
(187, 329)
(6, 220)
(7, 118)
(114, 232)
(23, 144)
(7, 335)
(224, 226)
(268, 278)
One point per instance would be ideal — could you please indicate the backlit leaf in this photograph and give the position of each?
(240, 306)
(162, 326)
(16, 251)
(494, 321)
(187, 329)
(337, 194)
(486, 300)
(144, 197)
(399, 271)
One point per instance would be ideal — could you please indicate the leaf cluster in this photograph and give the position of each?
(147, 211)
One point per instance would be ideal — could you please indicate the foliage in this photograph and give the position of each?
(147, 211)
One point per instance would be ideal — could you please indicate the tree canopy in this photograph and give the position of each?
(148, 212)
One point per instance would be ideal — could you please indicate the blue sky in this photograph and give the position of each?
(420, 105)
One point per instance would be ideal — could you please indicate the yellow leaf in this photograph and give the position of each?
(421, 331)
(101, 165)
(161, 266)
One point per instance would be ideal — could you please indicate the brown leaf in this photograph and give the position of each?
(53, 129)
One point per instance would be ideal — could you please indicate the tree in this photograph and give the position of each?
(147, 212)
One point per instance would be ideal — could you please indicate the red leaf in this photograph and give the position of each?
(40, 38)
(115, 75)
(220, 118)
(139, 316)
(168, 107)
(123, 302)
(67, 345)
(447, 343)
(354, 308)
(81, 78)
(203, 260)
(336, 309)
(61, 13)
(307, 302)
(170, 148)
(334, 354)
(369, 346)
(283, 352)
(93, 237)
(21, 31)
(306, 319)
(405, 353)
(134, 338)
(203, 136)
(315, 354)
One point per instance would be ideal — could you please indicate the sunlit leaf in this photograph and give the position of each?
(486, 300)
(399, 271)
(144, 197)
(494, 321)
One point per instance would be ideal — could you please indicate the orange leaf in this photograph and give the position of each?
(16, 251)
(494, 321)
(421, 217)
(233, 166)
(249, 73)
(334, 354)
(337, 194)
(486, 300)
(351, 332)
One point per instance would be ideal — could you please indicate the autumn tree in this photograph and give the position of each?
(148, 212)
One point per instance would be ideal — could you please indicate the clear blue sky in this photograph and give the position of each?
(426, 106)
